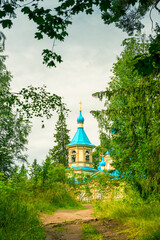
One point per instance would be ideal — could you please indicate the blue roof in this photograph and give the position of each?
(80, 138)
(85, 168)
(102, 163)
(80, 119)
(109, 152)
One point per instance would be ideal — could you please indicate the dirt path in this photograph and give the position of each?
(66, 225)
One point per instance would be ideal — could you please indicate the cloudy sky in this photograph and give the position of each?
(88, 54)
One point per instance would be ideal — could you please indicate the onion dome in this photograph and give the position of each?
(113, 131)
(80, 119)
(102, 164)
(80, 137)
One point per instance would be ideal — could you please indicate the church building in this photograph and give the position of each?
(80, 150)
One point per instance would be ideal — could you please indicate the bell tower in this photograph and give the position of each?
(80, 149)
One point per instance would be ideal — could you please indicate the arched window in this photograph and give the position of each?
(73, 156)
(87, 155)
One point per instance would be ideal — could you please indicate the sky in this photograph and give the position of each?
(88, 55)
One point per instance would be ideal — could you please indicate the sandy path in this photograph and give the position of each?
(66, 225)
(63, 216)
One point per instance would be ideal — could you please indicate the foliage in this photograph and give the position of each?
(16, 111)
(2, 39)
(35, 172)
(133, 113)
(100, 150)
(97, 156)
(13, 127)
(52, 173)
(22, 199)
(91, 232)
(140, 217)
(49, 184)
(148, 63)
(103, 137)
(18, 218)
(47, 174)
(100, 186)
(59, 153)
(36, 101)
(53, 23)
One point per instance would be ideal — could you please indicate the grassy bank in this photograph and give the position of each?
(18, 217)
(57, 197)
(21, 204)
(142, 219)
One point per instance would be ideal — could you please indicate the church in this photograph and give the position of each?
(80, 152)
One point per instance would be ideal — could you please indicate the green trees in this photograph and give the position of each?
(16, 110)
(133, 113)
(14, 129)
(59, 153)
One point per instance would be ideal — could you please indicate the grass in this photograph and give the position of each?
(142, 219)
(48, 201)
(19, 220)
(59, 229)
(91, 232)
(20, 207)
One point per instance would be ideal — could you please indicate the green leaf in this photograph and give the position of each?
(38, 35)
(8, 8)
(26, 10)
(6, 23)
(2, 14)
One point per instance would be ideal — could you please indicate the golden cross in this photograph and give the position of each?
(80, 106)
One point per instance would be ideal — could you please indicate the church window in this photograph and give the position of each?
(87, 156)
(73, 156)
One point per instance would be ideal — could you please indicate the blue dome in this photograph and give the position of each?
(80, 119)
(113, 131)
(102, 163)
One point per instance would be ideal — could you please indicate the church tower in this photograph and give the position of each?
(80, 149)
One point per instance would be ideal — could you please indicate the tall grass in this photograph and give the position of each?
(142, 219)
(18, 218)
(59, 196)
(21, 203)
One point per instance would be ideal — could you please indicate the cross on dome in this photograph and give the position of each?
(80, 106)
